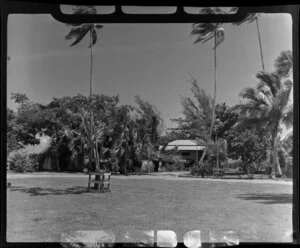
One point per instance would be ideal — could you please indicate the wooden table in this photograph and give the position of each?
(101, 181)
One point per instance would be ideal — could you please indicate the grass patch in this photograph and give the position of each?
(41, 209)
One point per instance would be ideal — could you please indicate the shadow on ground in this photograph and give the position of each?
(37, 191)
(268, 198)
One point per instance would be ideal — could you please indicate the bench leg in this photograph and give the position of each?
(89, 184)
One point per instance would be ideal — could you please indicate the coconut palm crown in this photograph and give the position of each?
(79, 31)
(206, 31)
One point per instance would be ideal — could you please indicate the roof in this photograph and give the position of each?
(184, 145)
(45, 143)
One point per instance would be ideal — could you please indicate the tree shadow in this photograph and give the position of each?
(268, 198)
(37, 191)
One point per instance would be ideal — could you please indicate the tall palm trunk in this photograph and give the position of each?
(260, 45)
(275, 161)
(214, 101)
(91, 155)
(286, 159)
(91, 67)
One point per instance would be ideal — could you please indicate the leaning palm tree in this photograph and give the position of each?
(266, 106)
(78, 32)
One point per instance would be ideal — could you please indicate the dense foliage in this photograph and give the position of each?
(251, 146)
(115, 132)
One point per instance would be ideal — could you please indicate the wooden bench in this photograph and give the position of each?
(101, 181)
(229, 172)
(232, 174)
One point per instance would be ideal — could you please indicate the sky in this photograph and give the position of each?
(154, 61)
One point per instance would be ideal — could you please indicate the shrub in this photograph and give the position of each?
(23, 162)
(174, 162)
(147, 166)
(206, 168)
(114, 162)
(180, 166)
(175, 166)
(169, 167)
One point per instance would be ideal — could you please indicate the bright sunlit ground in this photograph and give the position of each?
(42, 207)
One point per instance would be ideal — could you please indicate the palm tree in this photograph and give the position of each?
(266, 106)
(78, 32)
(204, 33)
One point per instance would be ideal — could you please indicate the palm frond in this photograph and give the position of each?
(255, 96)
(248, 18)
(75, 31)
(271, 80)
(78, 31)
(284, 63)
(263, 99)
(205, 31)
(266, 90)
(98, 26)
(94, 37)
(79, 38)
(252, 108)
(251, 123)
(79, 35)
(284, 95)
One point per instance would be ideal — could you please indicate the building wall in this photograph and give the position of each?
(190, 155)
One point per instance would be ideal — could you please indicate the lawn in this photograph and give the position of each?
(40, 209)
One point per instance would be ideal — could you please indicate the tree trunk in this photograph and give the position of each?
(275, 162)
(90, 155)
(214, 101)
(91, 95)
(288, 163)
(91, 68)
(125, 163)
(260, 45)
(217, 146)
(97, 159)
(285, 159)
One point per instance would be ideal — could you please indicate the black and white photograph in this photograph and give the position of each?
(149, 133)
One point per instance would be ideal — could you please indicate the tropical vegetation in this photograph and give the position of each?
(119, 137)
(268, 107)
